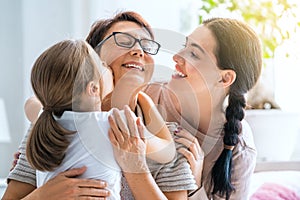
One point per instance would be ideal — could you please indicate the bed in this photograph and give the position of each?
(275, 134)
(276, 180)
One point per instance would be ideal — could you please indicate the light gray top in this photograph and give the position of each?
(173, 176)
(23, 172)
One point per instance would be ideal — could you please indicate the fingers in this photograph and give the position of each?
(92, 183)
(186, 153)
(73, 172)
(194, 154)
(92, 189)
(185, 134)
(191, 143)
(95, 192)
(141, 128)
(16, 155)
(188, 136)
(191, 146)
(114, 132)
(15, 161)
(91, 186)
(133, 130)
(121, 124)
(90, 198)
(121, 130)
(112, 138)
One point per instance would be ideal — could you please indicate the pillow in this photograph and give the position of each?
(274, 191)
(279, 185)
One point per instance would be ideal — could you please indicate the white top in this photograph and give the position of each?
(90, 147)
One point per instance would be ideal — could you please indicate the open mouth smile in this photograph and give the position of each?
(133, 66)
(178, 73)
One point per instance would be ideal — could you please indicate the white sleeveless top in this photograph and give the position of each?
(90, 147)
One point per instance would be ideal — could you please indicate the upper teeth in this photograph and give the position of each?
(179, 74)
(134, 66)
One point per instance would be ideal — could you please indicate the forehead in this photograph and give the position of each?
(128, 27)
(204, 38)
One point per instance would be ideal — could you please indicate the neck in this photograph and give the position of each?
(206, 116)
(119, 100)
(87, 104)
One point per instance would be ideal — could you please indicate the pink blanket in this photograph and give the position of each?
(272, 191)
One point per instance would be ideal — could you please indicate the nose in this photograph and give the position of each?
(178, 59)
(137, 50)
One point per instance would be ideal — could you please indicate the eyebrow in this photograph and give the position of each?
(142, 34)
(197, 46)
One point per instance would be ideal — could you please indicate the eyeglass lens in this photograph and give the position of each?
(128, 41)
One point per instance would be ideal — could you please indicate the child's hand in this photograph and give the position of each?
(16, 158)
(32, 108)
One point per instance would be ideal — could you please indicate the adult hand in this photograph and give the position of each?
(194, 154)
(16, 158)
(65, 186)
(128, 141)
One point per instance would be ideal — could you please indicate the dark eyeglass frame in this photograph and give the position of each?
(126, 46)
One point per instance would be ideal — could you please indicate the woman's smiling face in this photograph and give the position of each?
(196, 66)
(132, 68)
(133, 62)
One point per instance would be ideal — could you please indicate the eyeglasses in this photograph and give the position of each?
(128, 41)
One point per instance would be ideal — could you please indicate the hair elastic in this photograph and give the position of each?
(228, 147)
(48, 109)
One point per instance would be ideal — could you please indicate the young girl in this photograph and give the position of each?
(71, 131)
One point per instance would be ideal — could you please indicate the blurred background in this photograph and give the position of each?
(28, 27)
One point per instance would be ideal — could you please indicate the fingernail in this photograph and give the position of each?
(110, 118)
(106, 192)
(103, 184)
(176, 131)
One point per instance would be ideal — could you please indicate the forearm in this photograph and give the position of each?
(23, 171)
(22, 178)
(143, 186)
(162, 150)
(17, 190)
(200, 193)
(152, 118)
(159, 150)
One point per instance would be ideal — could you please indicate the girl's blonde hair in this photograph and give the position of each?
(59, 77)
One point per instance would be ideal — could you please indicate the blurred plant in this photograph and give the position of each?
(273, 20)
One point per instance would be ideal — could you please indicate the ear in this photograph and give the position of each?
(92, 89)
(228, 77)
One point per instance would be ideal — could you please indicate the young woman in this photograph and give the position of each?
(221, 61)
